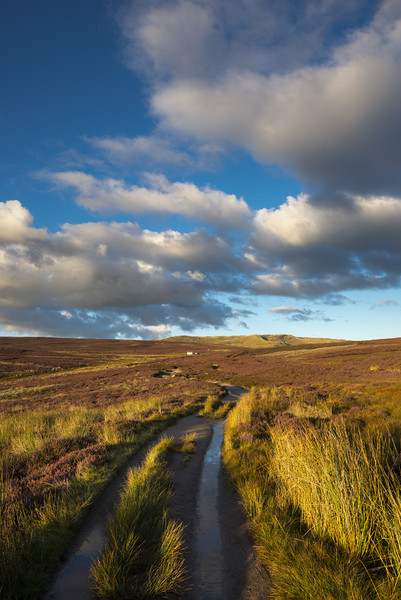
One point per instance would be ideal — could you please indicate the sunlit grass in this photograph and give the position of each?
(215, 408)
(37, 525)
(143, 557)
(324, 503)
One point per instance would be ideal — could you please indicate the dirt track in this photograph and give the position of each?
(242, 577)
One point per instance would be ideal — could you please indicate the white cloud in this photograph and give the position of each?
(113, 279)
(16, 223)
(203, 39)
(159, 150)
(363, 223)
(386, 303)
(197, 275)
(151, 332)
(66, 314)
(283, 309)
(311, 250)
(185, 199)
(153, 150)
(336, 122)
(166, 32)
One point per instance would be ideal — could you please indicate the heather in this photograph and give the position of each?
(53, 467)
(322, 491)
(59, 448)
(73, 411)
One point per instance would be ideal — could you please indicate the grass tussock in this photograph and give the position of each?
(143, 557)
(186, 446)
(215, 408)
(335, 477)
(323, 496)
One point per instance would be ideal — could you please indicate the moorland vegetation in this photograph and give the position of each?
(144, 551)
(320, 480)
(72, 412)
(314, 451)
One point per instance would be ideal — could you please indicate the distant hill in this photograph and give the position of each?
(253, 341)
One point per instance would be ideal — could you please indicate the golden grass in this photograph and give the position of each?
(37, 536)
(215, 408)
(324, 502)
(252, 341)
(143, 556)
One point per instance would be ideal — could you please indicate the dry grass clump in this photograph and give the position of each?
(143, 553)
(187, 445)
(215, 408)
(323, 495)
(335, 476)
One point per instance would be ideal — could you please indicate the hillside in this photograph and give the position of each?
(253, 341)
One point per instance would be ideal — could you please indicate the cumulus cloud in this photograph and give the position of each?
(151, 150)
(339, 126)
(321, 104)
(116, 279)
(363, 224)
(312, 250)
(161, 196)
(180, 36)
(112, 279)
(16, 223)
(94, 265)
(203, 39)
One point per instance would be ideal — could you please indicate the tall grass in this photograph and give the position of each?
(215, 408)
(391, 532)
(31, 543)
(318, 488)
(334, 476)
(259, 402)
(35, 533)
(143, 553)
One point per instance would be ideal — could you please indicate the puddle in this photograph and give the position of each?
(73, 581)
(208, 575)
(234, 392)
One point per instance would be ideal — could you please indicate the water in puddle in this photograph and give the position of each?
(73, 582)
(208, 575)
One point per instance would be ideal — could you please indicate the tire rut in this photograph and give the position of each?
(242, 576)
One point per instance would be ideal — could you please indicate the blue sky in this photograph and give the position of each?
(200, 167)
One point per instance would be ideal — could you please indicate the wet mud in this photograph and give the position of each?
(208, 574)
(221, 562)
(72, 581)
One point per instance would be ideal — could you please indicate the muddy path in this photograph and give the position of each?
(221, 561)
